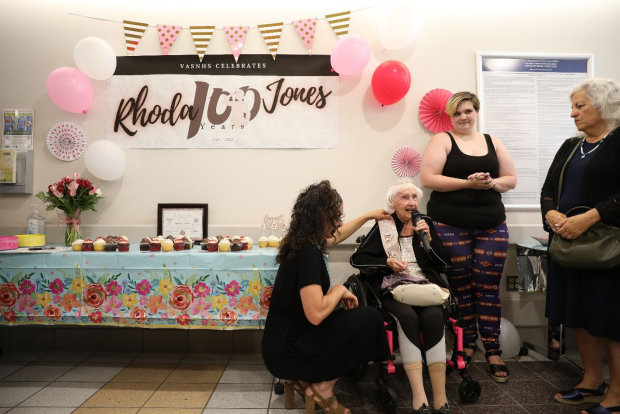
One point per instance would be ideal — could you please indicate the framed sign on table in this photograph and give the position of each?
(190, 220)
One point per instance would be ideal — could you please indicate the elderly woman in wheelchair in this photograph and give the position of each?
(404, 260)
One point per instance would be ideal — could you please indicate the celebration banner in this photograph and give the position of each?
(174, 102)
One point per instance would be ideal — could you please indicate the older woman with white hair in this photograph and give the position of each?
(585, 172)
(409, 261)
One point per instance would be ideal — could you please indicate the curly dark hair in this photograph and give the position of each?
(316, 212)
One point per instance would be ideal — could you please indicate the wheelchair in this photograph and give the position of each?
(469, 389)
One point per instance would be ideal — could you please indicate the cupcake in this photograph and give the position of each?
(263, 242)
(99, 244)
(155, 245)
(187, 243)
(167, 245)
(219, 238)
(204, 242)
(236, 245)
(274, 241)
(87, 246)
(145, 244)
(224, 245)
(123, 244)
(77, 245)
(179, 245)
(211, 244)
(250, 242)
(244, 243)
(111, 243)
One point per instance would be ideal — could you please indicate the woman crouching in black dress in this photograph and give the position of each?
(305, 341)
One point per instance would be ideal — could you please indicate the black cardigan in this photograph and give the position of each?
(370, 254)
(601, 184)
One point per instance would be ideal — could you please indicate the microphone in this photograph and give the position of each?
(417, 217)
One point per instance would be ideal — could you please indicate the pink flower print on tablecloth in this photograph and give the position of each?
(232, 302)
(236, 37)
(144, 287)
(26, 287)
(143, 300)
(112, 305)
(56, 299)
(201, 290)
(26, 304)
(167, 34)
(57, 286)
(233, 288)
(113, 288)
(201, 307)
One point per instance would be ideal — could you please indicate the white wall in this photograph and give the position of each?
(241, 186)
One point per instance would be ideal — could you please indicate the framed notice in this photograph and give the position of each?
(18, 129)
(524, 102)
(182, 219)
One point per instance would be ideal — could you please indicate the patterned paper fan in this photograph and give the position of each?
(433, 111)
(66, 141)
(406, 162)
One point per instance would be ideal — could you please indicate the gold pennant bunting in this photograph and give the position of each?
(133, 33)
(202, 37)
(339, 22)
(271, 33)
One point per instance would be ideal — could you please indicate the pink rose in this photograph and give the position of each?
(93, 190)
(73, 186)
(139, 314)
(52, 312)
(180, 297)
(229, 316)
(8, 295)
(76, 176)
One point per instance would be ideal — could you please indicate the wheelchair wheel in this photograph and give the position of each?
(387, 400)
(278, 388)
(469, 390)
(358, 288)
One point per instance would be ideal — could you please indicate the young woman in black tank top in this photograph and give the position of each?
(467, 172)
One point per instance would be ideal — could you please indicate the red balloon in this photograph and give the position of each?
(391, 82)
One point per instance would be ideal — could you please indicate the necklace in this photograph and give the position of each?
(592, 150)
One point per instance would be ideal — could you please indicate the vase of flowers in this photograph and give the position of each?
(71, 196)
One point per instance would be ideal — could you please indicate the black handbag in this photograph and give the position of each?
(597, 248)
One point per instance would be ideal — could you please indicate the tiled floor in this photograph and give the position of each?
(117, 383)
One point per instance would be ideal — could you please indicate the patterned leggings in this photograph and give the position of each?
(478, 258)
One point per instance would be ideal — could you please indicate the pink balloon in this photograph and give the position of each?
(350, 55)
(70, 89)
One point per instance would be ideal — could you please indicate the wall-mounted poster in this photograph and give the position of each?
(524, 102)
(175, 101)
(18, 129)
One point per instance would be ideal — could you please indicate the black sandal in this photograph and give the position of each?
(470, 359)
(495, 368)
(599, 409)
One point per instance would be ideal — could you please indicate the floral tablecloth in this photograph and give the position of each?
(187, 289)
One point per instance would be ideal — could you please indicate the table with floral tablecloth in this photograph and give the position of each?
(191, 289)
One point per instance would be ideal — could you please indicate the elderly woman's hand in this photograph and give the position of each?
(554, 217)
(423, 226)
(380, 214)
(575, 226)
(396, 266)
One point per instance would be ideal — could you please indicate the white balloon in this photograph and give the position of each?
(509, 340)
(105, 160)
(399, 26)
(95, 57)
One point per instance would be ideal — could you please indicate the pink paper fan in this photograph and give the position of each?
(433, 111)
(66, 141)
(406, 162)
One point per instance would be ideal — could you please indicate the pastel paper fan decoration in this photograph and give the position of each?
(406, 162)
(433, 111)
(66, 141)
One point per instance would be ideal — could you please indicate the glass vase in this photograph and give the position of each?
(72, 233)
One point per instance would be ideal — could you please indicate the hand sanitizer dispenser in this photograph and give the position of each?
(36, 223)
